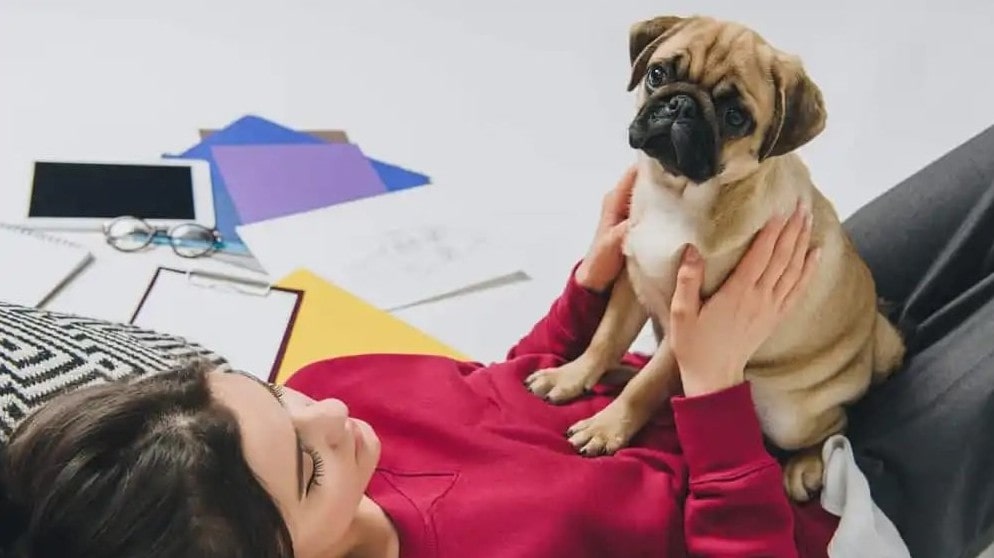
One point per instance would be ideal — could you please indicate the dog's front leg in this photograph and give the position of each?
(614, 426)
(622, 321)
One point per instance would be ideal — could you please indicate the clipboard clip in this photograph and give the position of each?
(219, 281)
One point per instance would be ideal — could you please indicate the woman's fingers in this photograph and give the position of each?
(616, 234)
(627, 181)
(788, 259)
(795, 268)
(811, 260)
(750, 268)
(616, 201)
(686, 302)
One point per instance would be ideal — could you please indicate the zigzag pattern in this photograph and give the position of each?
(43, 354)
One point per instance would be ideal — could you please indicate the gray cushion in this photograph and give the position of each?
(44, 353)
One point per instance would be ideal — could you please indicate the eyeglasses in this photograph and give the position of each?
(188, 240)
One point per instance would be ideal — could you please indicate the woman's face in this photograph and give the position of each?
(313, 458)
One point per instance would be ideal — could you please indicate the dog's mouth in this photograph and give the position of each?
(677, 128)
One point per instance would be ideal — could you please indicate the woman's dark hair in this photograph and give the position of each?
(150, 468)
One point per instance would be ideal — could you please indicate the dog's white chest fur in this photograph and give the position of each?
(663, 221)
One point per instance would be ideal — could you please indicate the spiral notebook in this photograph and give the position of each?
(34, 266)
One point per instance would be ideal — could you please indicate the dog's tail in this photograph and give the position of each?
(888, 348)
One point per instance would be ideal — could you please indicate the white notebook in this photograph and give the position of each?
(33, 266)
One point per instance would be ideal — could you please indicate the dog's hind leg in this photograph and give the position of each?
(888, 349)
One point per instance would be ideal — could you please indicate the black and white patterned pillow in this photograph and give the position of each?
(43, 354)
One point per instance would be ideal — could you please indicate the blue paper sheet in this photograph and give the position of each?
(254, 130)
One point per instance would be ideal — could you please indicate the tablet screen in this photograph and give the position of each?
(100, 190)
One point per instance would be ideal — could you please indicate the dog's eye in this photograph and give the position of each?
(735, 118)
(657, 76)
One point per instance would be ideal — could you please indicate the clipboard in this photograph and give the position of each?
(247, 322)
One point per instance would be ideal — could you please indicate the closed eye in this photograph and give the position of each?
(279, 392)
(317, 463)
(317, 469)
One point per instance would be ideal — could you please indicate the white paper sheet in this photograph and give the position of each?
(392, 250)
(246, 326)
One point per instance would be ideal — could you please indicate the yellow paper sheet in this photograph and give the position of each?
(332, 322)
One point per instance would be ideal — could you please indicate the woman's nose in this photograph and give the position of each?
(333, 408)
(327, 415)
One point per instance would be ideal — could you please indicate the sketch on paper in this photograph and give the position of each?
(414, 253)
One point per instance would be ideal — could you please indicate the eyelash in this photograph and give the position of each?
(315, 456)
(318, 468)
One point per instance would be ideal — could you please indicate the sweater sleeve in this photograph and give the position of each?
(569, 325)
(737, 505)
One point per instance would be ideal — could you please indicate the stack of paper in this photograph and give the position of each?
(301, 171)
(313, 200)
(358, 236)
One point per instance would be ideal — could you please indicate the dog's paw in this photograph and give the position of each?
(803, 474)
(563, 384)
(607, 431)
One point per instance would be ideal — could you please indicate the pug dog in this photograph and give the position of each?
(720, 114)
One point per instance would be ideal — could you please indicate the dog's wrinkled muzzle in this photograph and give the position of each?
(676, 126)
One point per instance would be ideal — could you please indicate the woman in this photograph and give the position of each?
(450, 459)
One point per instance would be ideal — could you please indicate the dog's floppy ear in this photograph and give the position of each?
(799, 114)
(641, 37)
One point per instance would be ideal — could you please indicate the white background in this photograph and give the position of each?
(518, 106)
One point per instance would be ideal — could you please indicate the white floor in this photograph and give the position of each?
(514, 99)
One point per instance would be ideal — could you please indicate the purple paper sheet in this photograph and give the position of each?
(270, 181)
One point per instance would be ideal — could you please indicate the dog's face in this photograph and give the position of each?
(715, 100)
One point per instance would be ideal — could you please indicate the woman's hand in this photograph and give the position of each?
(604, 260)
(712, 340)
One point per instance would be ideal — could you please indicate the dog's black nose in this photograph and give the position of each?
(680, 107)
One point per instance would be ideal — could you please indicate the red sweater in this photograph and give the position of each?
(475, 466)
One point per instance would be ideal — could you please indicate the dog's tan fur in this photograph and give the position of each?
(834, 342)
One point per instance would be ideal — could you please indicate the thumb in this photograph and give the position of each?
(686, 301)
(616, 234)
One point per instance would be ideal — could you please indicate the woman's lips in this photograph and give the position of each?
(358, 436)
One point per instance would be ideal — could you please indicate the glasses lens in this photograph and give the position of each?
(191, 241)
(129, 234)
